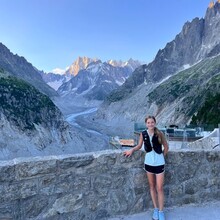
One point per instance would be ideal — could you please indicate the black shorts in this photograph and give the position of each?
(154, 169)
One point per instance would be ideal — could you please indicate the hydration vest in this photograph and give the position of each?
(155, 142)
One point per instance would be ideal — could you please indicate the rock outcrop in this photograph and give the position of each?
(28, 118)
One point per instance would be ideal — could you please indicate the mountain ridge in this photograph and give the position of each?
(196, 41)
(19, 67)
(95, 79)
(28, 116)
(145, 91)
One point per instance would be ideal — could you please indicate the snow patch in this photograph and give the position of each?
(119, 82)
(186, 66)
(59, 71)
(108, 81)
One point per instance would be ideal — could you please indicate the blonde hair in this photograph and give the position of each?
(157, 132)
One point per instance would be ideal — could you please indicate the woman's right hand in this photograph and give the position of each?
(128, 153)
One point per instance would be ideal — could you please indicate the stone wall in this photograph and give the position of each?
(101, 185)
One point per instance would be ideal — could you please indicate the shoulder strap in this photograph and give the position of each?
(146, 139)
(144, 133)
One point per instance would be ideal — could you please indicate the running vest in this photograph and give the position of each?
(147, 145)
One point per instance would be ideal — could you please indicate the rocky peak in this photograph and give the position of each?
(211, 30)
(213, 8)
(132, 64)
(197, 40)
(79, 64)
(211, 4)
(82, 63)
(115, 62)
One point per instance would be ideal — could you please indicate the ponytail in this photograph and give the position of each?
(159, 135)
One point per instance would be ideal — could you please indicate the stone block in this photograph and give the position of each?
(118, 182)
(7, 171)
(47, 184)
(174, 159)
(213, 156)
(28, 188)
(27, 170)
(98, 168)
(170, 176)
(81, 183)
(176, 191)
(102, 214)
(139, 205)
(6, 211)
(206, 195)
(140, 190)
(118, 170)
(215, 170)
(185, 172)
(67, 203)
(101, 184)
(193, 186)
(139, 177)
(118, 202)
(10, 192)
(136, 160)
(75, 162)
(102, 181)
(107, 159)
(189, 199)
(64, 183)
(33, 207)
(93, 202)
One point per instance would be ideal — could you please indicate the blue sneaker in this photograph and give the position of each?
(161, 215)
(155, 214)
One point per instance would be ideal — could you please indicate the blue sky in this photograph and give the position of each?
(53, 33)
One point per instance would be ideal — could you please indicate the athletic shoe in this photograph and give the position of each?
(161, 215)
(156, 214)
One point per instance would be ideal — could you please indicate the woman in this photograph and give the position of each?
(153, 139)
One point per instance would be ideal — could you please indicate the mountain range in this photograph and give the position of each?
(174, 86)
(91, 79)
(197, 40)
(98, 79)
(177, 87)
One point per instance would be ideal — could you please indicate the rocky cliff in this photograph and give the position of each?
(174, 86)
(197, 40)
(188, 89)
(21, 68)
(28, 119)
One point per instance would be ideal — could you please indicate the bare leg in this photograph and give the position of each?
(160, 193)
(152, 185)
